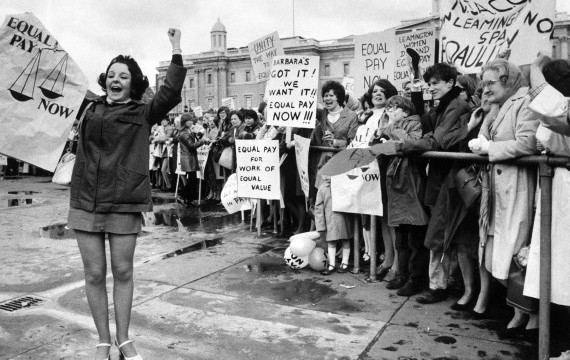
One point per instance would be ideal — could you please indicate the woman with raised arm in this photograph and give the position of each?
(110, 186)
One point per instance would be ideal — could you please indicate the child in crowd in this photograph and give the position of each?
(405, 184)
(333, 226)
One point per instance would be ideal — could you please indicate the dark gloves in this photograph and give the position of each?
(415, 62)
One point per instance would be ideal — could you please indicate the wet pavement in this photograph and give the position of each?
(208, 288)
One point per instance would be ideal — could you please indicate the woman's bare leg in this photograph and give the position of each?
(92, 249)
(122, 254)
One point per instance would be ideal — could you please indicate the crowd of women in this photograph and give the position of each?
(434, 233)
(436, 224)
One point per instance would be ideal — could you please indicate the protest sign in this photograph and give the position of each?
(474, 32)
(302, 146)
(198, 111)
(229, 102)
(423, 42)
(262, 52)
(41, 90)
(202, 155)
(348, 84)
(291, 91)
(258, 169)
(374, 56)
(3, 160)
(358, 191)
(230, 199)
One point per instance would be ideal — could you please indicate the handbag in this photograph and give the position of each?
(515, 286)
(64, 168)
(227, 158)
(468, 183)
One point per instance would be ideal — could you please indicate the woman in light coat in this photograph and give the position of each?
(506, 218)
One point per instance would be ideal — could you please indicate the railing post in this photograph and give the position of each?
(546, 174)
(372, 248)
(356, 245)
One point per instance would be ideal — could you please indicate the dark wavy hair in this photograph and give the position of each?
(337, 89)
(389, 89)
(250, 113)
(236, 112)
(441, 71)
(557, 74)
(139, 82)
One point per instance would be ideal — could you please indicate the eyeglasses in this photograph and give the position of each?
(487, 83)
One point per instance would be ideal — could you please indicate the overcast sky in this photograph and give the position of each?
(93, 32)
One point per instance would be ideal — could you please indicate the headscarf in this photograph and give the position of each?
(515, 77)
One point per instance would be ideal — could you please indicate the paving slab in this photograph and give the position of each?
(415, 343)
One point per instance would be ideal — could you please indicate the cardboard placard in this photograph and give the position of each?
(262, 52)
(423, 42)
(474, 32)
(291, 91)
(230, 199)
(202, 155)
(302, 146)
(358, 191)
(41, 90)
(374, 57)
(258, 169)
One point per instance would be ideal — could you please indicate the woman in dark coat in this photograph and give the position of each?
(110, 185)
(189, 144)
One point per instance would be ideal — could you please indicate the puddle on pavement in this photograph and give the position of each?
(195, 247)
(204, 220)
(20, 198)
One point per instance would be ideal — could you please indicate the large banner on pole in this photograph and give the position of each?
(473, 32)
(302, 146)
(258, 169)
(262, 52)
(374, 56)
(291, 91)
(41, 90)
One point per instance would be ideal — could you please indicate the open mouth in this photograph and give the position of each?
(116, 89)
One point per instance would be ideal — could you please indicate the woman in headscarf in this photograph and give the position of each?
(508, 190)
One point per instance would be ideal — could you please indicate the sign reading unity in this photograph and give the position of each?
(423, 42)
(258, 169)
(262, 52)
(41, 90)
(473, 32)
(302, 146)
(291, 91)
(202, 155)
(230, 199)
(374, 56)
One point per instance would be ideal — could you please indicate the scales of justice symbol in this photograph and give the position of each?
(52, 87)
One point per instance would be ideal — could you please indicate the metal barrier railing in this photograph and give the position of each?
(546, 165)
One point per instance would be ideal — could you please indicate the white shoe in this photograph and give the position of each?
(105, 345)
(136, 357)
(564, 356)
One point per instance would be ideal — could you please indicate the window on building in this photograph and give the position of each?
(247, 76)
(346, 69)
(209, 79)
(191, 83)
(327, 70)
(232, 77)
(248, 101)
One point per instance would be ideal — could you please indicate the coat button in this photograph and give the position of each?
(499, 171)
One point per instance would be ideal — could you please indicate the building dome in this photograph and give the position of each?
(218, 26)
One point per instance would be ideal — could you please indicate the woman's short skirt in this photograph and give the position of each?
(112, 222)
